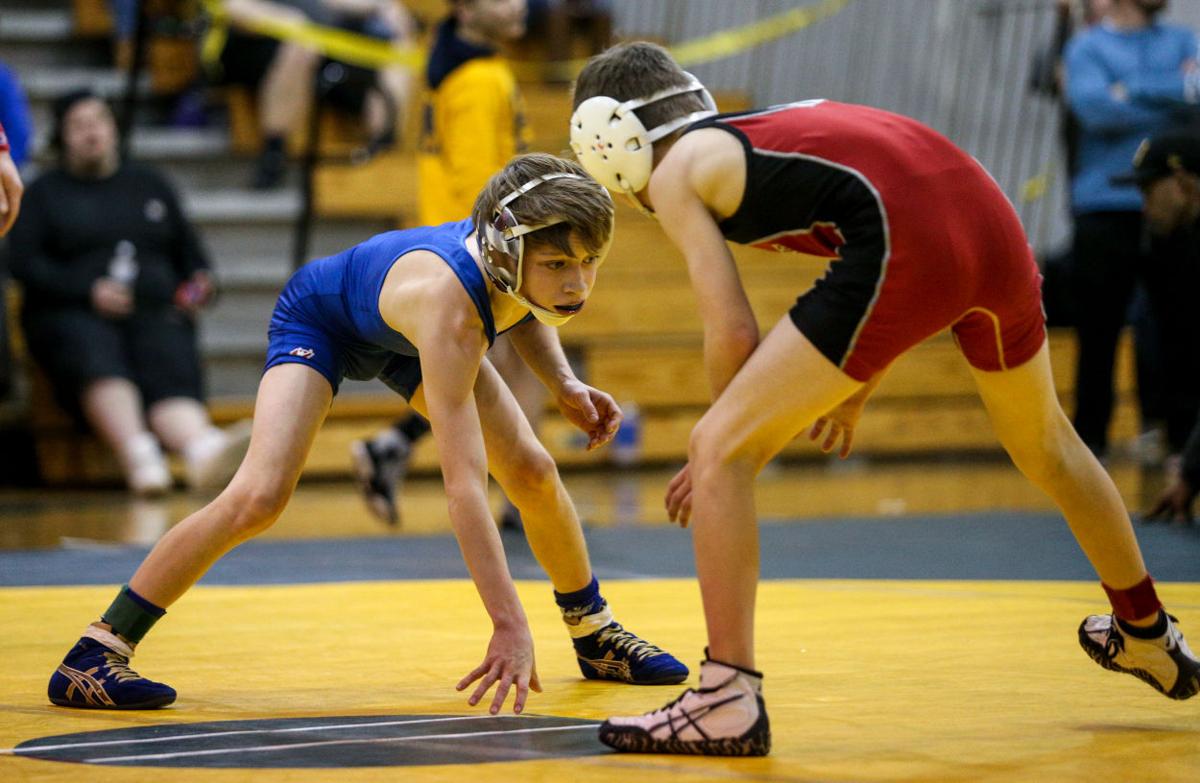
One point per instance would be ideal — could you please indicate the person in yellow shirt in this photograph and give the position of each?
(473, 118)
(472, 123)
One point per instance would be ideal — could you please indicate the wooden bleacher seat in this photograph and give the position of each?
(927, 405)
(92, 18)
(171, 60)
(66, 454)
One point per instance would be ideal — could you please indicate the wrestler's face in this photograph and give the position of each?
(494, 20)
(1171, 203)
(89, 138)
(557, 281)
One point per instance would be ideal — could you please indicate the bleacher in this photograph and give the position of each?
(639, 337)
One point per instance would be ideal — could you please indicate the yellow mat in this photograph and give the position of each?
(865, 680)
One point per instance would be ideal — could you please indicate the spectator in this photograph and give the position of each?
(1167, 170)
(473, 123)
(284, 72)
(1126, 78)
(1048, 78)
(14, 115)
(114, 277)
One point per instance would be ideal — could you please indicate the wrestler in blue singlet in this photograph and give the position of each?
(328, 318)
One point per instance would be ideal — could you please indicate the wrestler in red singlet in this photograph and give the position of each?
(919, 235)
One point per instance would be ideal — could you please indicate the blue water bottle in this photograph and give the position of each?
(627, 443)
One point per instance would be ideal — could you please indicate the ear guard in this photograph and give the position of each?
(615, 147)
(502, 248)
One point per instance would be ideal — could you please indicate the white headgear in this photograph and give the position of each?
(613, 144)
(502, 248)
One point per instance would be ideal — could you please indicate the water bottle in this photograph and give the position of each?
(124, 265)
(627, 444)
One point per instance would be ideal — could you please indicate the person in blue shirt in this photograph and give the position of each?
(1126, 78)
(418, 309)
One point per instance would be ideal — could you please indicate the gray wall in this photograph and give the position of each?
(962, 66)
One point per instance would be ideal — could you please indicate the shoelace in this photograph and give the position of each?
(118, 667)
(665, 710)
(623, 640)
(690, 718)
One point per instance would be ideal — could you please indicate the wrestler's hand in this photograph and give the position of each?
(591, 410)
(840, 423)
(1175, 505)
(509, 662)
(679, 497)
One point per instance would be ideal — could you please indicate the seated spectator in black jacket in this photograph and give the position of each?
(113, 278)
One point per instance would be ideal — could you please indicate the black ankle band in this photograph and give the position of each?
(709, 659)
(1149, 632)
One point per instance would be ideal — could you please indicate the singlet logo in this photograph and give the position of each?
(821, 239)
(303, 353)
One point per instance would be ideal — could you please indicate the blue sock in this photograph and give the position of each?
(581, 602)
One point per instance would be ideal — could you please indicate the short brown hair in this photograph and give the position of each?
(583, 205)
(637, 70)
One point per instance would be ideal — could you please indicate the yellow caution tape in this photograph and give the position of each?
(1036, 186)
(362, 50)
(342, 45)
(738, 39)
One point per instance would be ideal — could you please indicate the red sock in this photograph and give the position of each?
(1134, 603)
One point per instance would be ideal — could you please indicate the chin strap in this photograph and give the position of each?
(639, 206)
(548, 317)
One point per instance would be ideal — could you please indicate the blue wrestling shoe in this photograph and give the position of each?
(96, 676)
(612, 653)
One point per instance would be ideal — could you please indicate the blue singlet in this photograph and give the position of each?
(327, 316)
